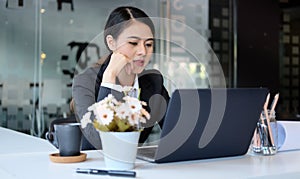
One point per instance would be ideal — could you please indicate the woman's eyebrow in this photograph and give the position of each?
(139, 38)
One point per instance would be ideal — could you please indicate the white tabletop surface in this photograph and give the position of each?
(37, 165)
(12, 142)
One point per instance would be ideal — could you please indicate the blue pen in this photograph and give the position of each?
(120, 173)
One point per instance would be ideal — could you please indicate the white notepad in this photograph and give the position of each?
(288, 135)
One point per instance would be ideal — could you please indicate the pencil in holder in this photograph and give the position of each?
(265, 139)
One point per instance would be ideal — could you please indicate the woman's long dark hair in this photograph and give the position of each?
(121, 17)
(118, 20)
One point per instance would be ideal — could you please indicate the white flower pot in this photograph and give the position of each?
(119, 149)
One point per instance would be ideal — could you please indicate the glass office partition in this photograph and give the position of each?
(18, 49)
(45, 43)
(72, 41)
(41, 45)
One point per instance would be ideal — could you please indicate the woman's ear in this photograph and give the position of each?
(111, 43)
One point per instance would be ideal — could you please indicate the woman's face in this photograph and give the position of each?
(136, 42)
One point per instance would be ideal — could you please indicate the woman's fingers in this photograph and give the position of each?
(119, 56)
(123, 62)
(118, 62)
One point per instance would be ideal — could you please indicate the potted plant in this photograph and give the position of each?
(119, 125)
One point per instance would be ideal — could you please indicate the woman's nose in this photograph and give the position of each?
(141, 49)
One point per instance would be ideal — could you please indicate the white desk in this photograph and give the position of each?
(37, 165)
(12, 142)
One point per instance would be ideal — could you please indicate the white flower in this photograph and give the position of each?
(146, 114)
(143, 120)
(119, 116)
(133, 103)
(133, 119)
(92, 107)
(86, 119)
(122, 111)
(109, 101)
(103, 115)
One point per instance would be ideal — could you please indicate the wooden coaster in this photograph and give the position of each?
(55, 157)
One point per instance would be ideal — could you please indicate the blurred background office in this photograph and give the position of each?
(43, 44)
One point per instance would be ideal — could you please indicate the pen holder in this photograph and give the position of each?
(265, 138)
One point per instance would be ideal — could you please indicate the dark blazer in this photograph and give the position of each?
(86, 89)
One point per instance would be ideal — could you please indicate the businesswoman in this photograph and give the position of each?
(129, 36)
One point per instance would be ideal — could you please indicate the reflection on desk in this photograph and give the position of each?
(13, 142)
(38, 165)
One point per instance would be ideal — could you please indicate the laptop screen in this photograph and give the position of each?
(209, 123)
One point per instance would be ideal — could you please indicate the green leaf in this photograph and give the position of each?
(122, 125)
(112, 126)
(100, 127)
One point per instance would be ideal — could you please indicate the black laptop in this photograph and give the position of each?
(207, 123)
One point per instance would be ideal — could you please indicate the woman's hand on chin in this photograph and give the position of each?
(117, 63)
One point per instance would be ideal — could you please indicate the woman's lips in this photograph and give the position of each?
(139, 62)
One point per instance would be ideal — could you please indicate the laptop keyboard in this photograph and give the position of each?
(148, 152)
